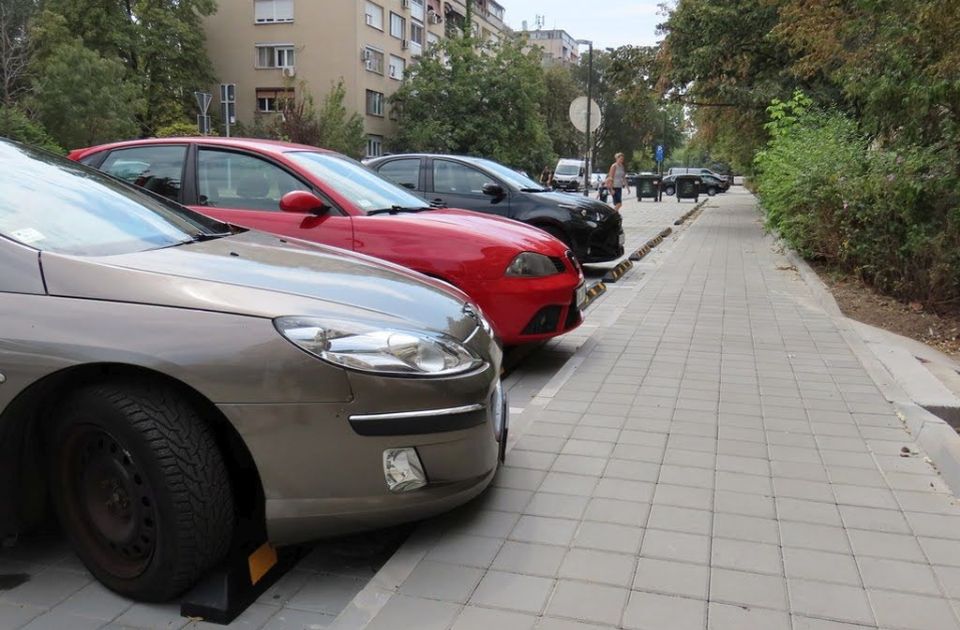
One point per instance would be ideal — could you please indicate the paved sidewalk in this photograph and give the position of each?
(718, 458)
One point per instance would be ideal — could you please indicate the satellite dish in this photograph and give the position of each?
(578, 114)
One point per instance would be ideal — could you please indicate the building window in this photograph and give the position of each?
(374, 146)
(416, 32)
(416, 9)
(398, 26)
(273, 99)
(272, 11)
(373, 60)
(374, 103)
(276, 56)
(373, 14)
(397, 67)
(432, 40)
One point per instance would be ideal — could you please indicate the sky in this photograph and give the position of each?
(609, 23)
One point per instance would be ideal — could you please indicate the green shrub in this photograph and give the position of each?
(886, 213)
(15, 124)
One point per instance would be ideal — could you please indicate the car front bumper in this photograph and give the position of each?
(322, 464)
(599, 242)
(524, 310)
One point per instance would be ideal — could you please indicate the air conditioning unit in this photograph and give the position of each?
(393, 72)
(289, 71)
(369, 19)
(404, 44)
(435, 18)
(370, 65)
(365, 54)
(405, 4)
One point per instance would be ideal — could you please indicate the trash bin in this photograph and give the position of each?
(688, 187)
(648, 185)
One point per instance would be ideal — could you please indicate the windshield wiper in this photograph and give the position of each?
(198, 237)
(397, 210)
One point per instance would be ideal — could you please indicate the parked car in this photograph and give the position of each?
(593, 230)
(569, 175)
(182, 387)
(526, 282)
(708, 184)
(679, 170)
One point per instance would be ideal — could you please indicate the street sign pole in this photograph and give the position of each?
(589, 170)
(228, 106)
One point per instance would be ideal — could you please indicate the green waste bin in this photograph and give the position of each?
(648, 186)
(688, 187)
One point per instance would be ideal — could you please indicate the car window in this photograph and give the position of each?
(404, 172)
(52, 204)
(452, 177)
(226, 179)
(157, 168)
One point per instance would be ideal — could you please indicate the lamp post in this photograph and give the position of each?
(589, 157)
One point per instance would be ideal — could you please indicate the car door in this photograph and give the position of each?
(405, 172)
(245, 189)
(458, 185)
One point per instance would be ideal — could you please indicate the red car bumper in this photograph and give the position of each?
(522, 310)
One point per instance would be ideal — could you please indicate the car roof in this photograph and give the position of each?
(255, 144)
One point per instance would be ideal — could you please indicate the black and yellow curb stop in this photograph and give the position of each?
(617, 272)
(593, 293)
(229, 589)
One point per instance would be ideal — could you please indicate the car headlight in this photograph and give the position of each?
(378, 349)
(531, 265)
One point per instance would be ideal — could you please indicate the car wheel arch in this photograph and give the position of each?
(30, 414)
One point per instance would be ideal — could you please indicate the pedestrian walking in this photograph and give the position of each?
(617, 180)
(546, 177)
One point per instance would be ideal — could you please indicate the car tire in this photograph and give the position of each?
(669, 190)
(140, 487)
(711, 191)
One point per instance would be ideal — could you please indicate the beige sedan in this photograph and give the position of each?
(181, 387)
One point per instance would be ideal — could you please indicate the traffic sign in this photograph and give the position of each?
(578, 114)
(203, 101)
(659, 153)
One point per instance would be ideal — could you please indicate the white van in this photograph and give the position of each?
(570, 175)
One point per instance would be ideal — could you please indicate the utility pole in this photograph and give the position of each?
(589, 157)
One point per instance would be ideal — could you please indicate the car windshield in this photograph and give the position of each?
(512, 177)
(568, 169)
(367, 190)
(52, 204)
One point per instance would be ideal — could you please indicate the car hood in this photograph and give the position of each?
(256, 274)
(574, 202)
(478, 230)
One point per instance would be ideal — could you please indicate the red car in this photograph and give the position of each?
(527, 282)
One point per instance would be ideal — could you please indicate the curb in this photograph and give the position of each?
(934, 435)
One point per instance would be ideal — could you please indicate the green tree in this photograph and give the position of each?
(16, 125)
(560, 90)
(477, 99)
(329, 126)
(160, 42)
(81, 97)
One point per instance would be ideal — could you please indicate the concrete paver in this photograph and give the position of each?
(717, 457)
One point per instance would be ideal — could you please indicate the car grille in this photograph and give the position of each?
(558, 263)
(545, 321)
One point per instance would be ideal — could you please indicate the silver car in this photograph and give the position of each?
(181, 387)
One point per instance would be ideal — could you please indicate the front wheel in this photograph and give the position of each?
(711, 191)
(669, 190)
(140, 487)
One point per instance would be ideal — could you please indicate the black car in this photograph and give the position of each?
(708, 184)
(593, 230)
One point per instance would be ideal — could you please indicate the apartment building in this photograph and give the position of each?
(272, 48)
(558, 46)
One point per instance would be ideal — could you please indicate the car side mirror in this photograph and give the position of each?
(303, 202)
(493, 190)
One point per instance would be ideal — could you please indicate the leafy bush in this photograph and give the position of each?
(181, 129)
(15, 124)
(889, 214)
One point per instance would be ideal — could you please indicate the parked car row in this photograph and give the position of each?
(185, 382)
